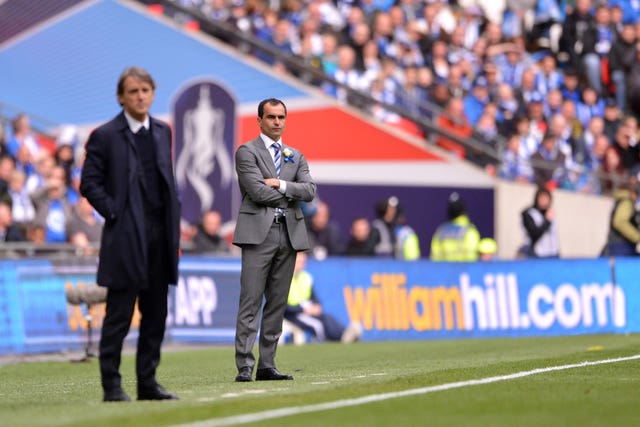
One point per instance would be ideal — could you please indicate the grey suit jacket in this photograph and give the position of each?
(253, 164)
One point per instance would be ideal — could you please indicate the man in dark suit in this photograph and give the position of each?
(270, 229)
(128, 178)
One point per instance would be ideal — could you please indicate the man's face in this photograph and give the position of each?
(136, 98)
(272, 122)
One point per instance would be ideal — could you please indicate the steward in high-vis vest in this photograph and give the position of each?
(458, 238)
(624, 236)
(304, 309)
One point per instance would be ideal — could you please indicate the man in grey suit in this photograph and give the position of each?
(273, 180)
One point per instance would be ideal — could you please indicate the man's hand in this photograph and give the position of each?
(638, 248)
(272, 182)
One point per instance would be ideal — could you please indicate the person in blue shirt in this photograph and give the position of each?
(53, 210)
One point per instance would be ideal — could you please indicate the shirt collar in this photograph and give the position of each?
(135, 125)
(268, 142)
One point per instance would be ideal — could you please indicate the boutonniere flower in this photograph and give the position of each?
(288, 155)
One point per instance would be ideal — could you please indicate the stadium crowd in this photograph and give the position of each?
(558, 81)
(550, 86)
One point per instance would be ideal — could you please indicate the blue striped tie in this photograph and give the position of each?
(276, 158)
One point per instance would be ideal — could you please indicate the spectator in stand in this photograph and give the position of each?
(630, 9)
(612, 171)
(537, 121)
(458, 86)
(311, 49)
(508, 109)
(3, 141)
(568, 111)
(24, 159)
(383, 227)
(407, 245)
(627, 150)
(528, 135)
(305, 310)
(493, 33)
(623, 55)
(475, 102)
(624, 236)
(486, 134)
(411, 96)
(589, 106)
(281, 37)
(577, 43)
(510, 63)
(548, 162)
(84, 226)
(439, 94)
(329, 55)
(9, 232)
(382, 33)
(546, 31)
(362, 241)
(23, 211)
(66, 143)
(372, 63)
(612, 118)
(584, 144)
(456, 239)
(548, 77)
(570, 87)
(633, 83)
(540, 230)
(604, 37)
(438, 61)
(325, 237)
(52, 208)
(562, 131)
(492, 73)
(454, 121)
(208, 238)
(553, 103)
(23, 137)
(43, 166)
(360, 36)
(515, 166)
(7, 166)
(345, 74)
(592, 165)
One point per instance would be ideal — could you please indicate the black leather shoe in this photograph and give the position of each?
(115, 395)
(271, 374)
(244, 375)
(155, 393)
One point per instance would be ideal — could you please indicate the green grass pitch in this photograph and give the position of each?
(60, 393)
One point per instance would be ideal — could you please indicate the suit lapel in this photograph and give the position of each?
(287, 167)
(162, 156)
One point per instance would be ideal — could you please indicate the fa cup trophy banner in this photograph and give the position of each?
(204, 118)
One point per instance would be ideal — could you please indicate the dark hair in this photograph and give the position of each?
(540, 191)
(270, 101)
(137, 73)
(455, 206)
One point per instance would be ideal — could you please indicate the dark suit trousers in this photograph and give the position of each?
(152, 304)
(267, 270)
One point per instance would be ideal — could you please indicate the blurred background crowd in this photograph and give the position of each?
(536, 91)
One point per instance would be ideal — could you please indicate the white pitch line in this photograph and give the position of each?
(296, 410)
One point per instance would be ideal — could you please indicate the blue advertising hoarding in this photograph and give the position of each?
(393, 300)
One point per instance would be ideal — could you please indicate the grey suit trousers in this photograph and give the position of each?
(267, 269)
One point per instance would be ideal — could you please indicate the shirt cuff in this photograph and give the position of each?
(283, 186)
